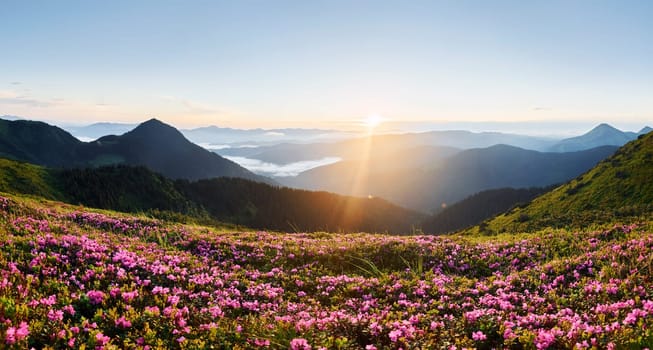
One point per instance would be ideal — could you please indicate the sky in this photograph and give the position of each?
(327, 64)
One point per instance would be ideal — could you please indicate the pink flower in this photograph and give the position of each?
(95, 296)
(122, 322)
(55, 316)
(69, 309)
(544, 339)
(479, 336)
(262, 342)
(101, 339)
(129, 296)
(22, 331)
(173, 300)
(394, 335)
(10, 336)
(299, 344)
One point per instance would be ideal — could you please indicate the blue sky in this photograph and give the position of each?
(327, 63)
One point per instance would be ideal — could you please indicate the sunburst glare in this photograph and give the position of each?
(372, 121)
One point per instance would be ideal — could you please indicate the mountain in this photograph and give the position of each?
(618, 188)
(381, 168)
(601, 135)
(237, 201)
(450, 179)
(153, 144)
(11, 117)
(259, 205)
(163, 149)
(645, 130)
(351, 149)
(38, 143)
(218, 137)
(478, 207)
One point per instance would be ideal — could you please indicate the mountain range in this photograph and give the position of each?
(214, 137)
(153, 144)
(601, 135)
(449, 177)
(355, 148)
(619, 188)
(411, 170)
(284, 152)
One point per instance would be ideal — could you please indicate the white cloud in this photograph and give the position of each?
(271, 169)
(212, 146)
(274, 133)
(13, 98)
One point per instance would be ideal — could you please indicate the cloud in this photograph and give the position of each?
(198, 108)
(13, 98)
(274, 133)
(194, 107)
(271, 169)
(212, 146)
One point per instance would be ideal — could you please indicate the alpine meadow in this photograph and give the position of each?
(375, 175)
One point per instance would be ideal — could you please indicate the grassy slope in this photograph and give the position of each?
(24, 178)
(619, 188)
(337, 291)
(478, 207)
(238, 201)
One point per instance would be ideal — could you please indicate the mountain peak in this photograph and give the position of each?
(604, 127)
(155, 128)
(154, 122)
(645, 130)
(602, 135)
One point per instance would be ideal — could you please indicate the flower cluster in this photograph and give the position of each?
(106, 281)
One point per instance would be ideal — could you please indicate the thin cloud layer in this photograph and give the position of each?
(278, 170)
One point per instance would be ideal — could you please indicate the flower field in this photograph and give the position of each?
(101, 280)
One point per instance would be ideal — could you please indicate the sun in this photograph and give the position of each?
(372, 121)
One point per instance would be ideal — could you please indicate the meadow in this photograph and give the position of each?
(72, 277)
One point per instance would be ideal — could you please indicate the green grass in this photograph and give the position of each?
(24, 178)
(619, 188)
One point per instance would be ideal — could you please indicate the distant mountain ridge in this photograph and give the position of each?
(601, 135)
(620, 187)
(153, 144)
(452, 177)
(351, 149)
(214, 135)
(97, 130)
(220, 136)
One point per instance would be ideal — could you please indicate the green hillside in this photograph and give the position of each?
(618, 188)
(237, 201)
(24, 178)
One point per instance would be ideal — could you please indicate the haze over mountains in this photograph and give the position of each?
(601, 135)
(618, 188)
(424, 172)
(153, 144)
(214, 137)
(449, 178)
